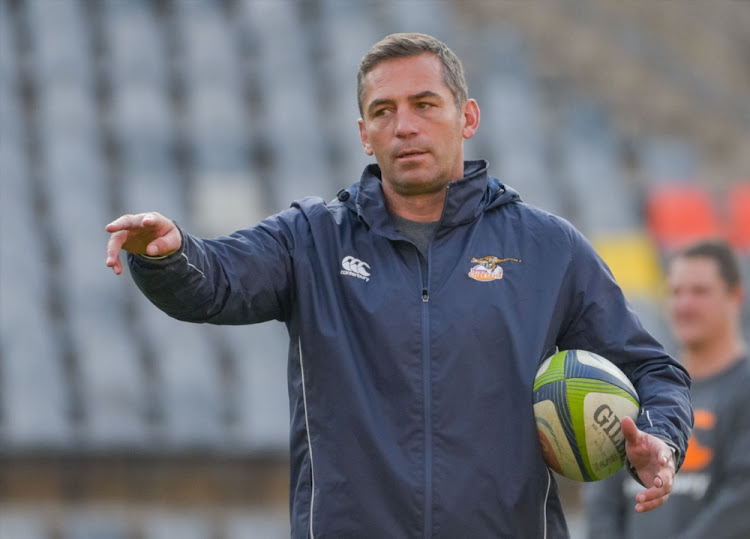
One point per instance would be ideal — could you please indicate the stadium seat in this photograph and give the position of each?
(587, 147)
(68, 110)
(254, 523)
(141, 115)
(134, 44)
(410, 17)
(739, 216)
(668, 158)
(208, 52)
(680, 213)
(96, 523)
(527, 172)
(112, 380)
(651, 312)
(22, 522)
(156, 188)
(170, 524)
(215, 126)
(60, 42)
(291, 112)
(348, 33)
(222, 202)
(35, 396)
(189, 381)
(261, 403)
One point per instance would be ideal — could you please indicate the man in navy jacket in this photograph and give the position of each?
(419, 304)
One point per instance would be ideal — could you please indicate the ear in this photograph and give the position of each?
(470, 111)
(363, 137)
(738, 296)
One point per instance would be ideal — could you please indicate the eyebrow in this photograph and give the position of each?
(416, 97)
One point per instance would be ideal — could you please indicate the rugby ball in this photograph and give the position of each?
(579, 400)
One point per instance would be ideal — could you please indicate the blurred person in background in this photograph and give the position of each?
(419, 304)
(711, 495)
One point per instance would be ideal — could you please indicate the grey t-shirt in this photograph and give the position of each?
(711, 493)
(419, 233)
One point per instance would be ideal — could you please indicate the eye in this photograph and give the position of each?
(424, 105)
(380, 112)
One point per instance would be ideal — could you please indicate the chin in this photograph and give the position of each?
(690, 339)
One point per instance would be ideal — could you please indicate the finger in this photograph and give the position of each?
(666, 460)
(117, 266)
(165, 245)
(650, 495)
(113, 247)
(129, 222)
(123, 222)
(643, 507)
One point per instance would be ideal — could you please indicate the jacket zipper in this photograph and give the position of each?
(427, 389)
(427, 386)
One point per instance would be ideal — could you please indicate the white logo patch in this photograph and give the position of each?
(354, 267)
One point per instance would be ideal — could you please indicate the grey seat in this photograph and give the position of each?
(35, 396)
(259, 386)
(291, 109)
(112, 380)
(164, 524)
(251, 524)
(663, 158)
(588, 147)
(189, 381)
(215, 125)
(22, 523)
(68, 110)
(208, 52)
(59, 42)
(134, 44)
(96, 523)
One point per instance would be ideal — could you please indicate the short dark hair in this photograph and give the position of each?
(413, 44)
(720, 252)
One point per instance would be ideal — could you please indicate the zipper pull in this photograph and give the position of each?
(425, 296)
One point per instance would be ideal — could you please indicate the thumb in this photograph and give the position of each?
(629, 430)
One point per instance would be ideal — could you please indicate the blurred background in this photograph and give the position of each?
(630, 119)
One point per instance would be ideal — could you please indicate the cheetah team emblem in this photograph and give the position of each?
(488, 268)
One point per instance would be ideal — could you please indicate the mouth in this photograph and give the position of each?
(410, 154)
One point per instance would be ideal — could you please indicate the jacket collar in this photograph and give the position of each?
(465, 200)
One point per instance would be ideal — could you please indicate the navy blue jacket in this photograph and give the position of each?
(410, 377)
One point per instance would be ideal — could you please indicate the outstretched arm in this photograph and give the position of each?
(149, 234)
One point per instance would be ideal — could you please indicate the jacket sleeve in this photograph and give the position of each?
(600, 320)
(243, 278)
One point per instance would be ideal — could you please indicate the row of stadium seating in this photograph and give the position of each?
(217, 114)
(111, 522)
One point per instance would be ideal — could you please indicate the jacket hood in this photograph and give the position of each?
(465, 200)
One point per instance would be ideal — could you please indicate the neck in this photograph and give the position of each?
(706, 359)
(424, 208)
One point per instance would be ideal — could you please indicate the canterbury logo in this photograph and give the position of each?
(488, 268)
(354, 267)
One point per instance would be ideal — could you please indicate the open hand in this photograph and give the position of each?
(149, 234)
(652, 460)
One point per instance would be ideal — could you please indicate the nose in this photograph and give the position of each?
(406, 123)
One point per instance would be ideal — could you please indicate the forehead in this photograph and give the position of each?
(694, 270)
(402, 77)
